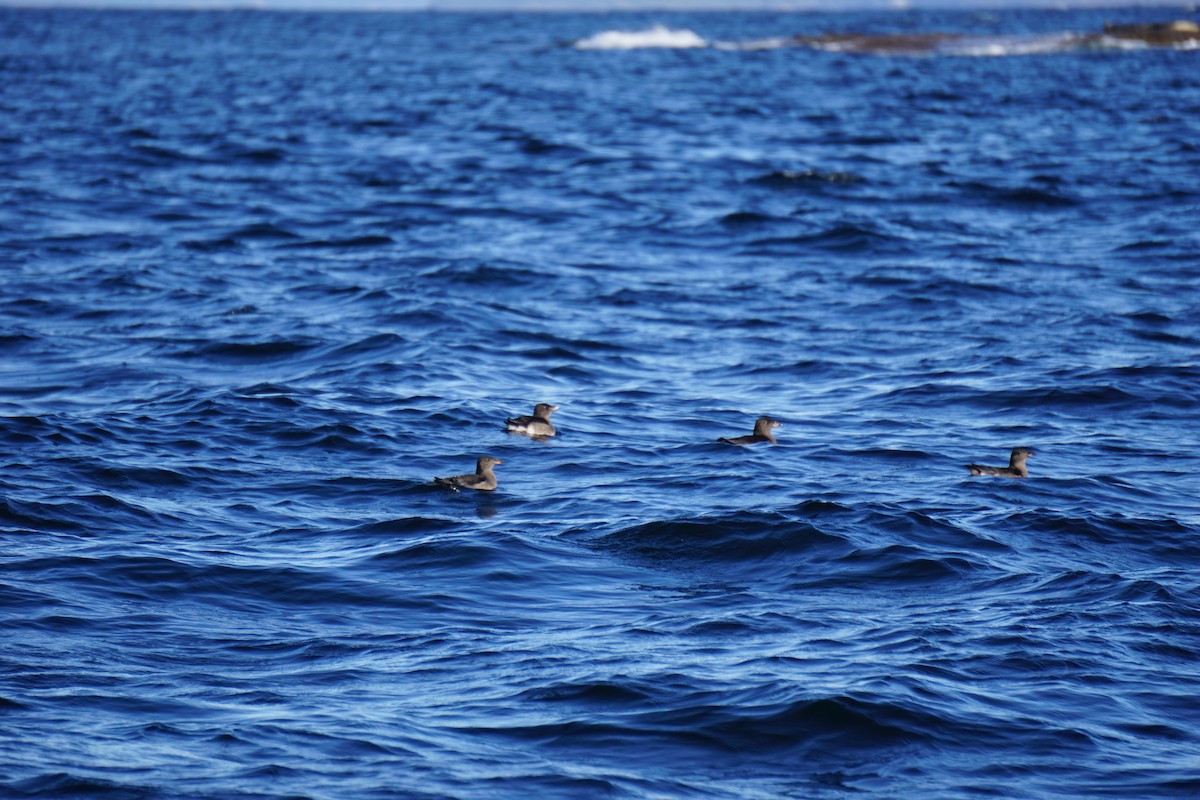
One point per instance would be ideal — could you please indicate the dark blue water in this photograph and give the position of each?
(265, 275)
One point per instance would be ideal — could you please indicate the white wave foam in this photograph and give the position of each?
(1001, 46)
(1116, 43)
(657, 36)
(757, 44)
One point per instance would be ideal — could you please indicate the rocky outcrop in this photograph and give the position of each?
(1158, 34)
(1180, 33)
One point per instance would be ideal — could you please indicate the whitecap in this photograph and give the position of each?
(1000, 46)
(657, 36)
(758, 44)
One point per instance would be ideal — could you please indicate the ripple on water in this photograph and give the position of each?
(244, 326)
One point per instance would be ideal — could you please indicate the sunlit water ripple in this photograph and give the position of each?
(268, 274)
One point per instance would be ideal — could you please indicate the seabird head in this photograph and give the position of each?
(1020, 454)
(765, 424)
(544, 410)
(488, 461)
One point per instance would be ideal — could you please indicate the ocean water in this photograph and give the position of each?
(266, 275)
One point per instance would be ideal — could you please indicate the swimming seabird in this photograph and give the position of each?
(537, 425)
(484, 479)
(762, 433)
(1016, 465)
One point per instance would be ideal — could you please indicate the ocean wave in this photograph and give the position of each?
(84, 515)
(787, 179)
(67, 784)
(817, 726)
(658, 36)
(604, 695)
(722, 539)
(1111, 390)
(249, 351)
(440, 554)
(846, 237)
(1079, 395)
(914, 284)
(900, 565)
(28, 601)
(245, 326)
(350, 242)
(1019, 196)
(162, 579)
(748, 219)
(264, 231)
(497, 275)
(1133, 532)
(824, 724)
(402, 526)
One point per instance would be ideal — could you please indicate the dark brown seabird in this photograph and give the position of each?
(762, 433)
(536, 425)
(483, 480)
(1016, 465)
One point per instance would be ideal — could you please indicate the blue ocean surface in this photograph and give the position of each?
(266, 275)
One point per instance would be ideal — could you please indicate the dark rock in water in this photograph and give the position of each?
(1159, 34)
(881, 44)
(1162, 34)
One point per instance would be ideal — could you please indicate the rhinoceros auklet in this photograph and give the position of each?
(1016, 465)
(536, 425)
(762, 433)
(484, 478)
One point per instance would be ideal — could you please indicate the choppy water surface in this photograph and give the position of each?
(266, 275)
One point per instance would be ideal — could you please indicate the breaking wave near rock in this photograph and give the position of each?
(654, 37)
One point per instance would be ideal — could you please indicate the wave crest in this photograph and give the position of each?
(658, 36)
